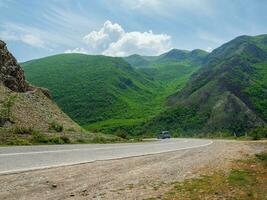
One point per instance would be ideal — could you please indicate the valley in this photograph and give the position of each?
(188, 92)
(104, 93)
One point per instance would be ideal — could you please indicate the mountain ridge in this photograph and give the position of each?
(222, 90)
(139, 61)
(191, 92)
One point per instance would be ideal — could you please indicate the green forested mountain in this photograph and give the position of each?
(228, 94)
(137, 61)
(104, 93)
(171, 70)
(196, 55)
(188, 92)
(91, 88)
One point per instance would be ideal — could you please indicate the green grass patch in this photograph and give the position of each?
(262, 157)
(29, 136)
(247, 180)
(241, 178)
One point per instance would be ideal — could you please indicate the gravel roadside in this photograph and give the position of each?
(129, 178)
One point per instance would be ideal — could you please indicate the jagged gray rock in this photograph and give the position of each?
(11, 74)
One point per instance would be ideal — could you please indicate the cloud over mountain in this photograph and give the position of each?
(113, 40)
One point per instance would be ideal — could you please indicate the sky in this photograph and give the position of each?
(39, 28)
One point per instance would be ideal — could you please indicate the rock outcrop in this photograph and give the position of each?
(11, 74)
(23, 105)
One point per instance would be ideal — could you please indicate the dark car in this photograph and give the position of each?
(164, 135)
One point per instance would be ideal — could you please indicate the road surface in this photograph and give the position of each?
(18, 159)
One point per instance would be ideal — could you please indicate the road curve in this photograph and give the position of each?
(18, 159)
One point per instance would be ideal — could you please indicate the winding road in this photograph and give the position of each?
(25, 158)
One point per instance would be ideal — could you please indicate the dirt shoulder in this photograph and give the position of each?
(130, 178)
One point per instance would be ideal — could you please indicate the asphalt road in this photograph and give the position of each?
(18, 159)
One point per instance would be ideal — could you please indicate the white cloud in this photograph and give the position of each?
(113, 40)
(209, 49)
(100, 40)
(32, 36)
(32, 40)
(61, 17)
(167, 8)
(146, 43)
(25, 38)
(77, 50)
(139, 4)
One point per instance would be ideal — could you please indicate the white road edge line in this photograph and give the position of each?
(117, 158)
(69, 150)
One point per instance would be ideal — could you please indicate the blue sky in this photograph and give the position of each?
(35, 28)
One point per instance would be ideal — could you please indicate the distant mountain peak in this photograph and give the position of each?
(228, 92)
(196, 55)
(176, 54)
(240, 46)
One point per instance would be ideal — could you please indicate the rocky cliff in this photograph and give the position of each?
(22, 105)
(11, 74)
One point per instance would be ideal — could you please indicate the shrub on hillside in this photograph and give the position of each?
(176, 134)
(122, 134)
(98, 139)
(56, 127)
(23, 130)
(40, 138)
(17, 141)
(258, 133)
(65, 139)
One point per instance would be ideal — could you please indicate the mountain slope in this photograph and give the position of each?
(25, 106)
(105, 93)
(93, 88)
(228, 94)
(171, 70)
(137, 60)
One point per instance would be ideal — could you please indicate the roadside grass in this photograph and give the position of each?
(247, 180)
(29, 136)
(113, 125)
